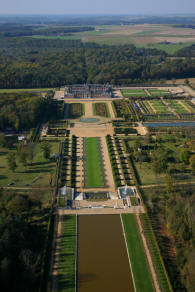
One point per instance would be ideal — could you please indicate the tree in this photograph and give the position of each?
(159, 161)
(11, 161)
(184, 156)
(46, 148)
(22, 154)
(187, 82)
(31, 152)
(2, 140)
(192, 163)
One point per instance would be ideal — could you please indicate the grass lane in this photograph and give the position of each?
(93, 167)
(141, 272)
(66, 282)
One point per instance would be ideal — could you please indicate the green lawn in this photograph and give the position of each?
(25, 90)
(93, 167)
(133, 92)
(41, 169)
(141, 272)
(158, 92)
(159, 106)
(66, 282)
(177, 106)
(133, 201)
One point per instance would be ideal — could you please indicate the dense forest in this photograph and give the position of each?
(30, 63)
(24, 111)
(23, 223)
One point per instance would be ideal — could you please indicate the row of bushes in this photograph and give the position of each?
(73, 162)
(122, 159)
(114, 164)
(64, 162)
(125, 131)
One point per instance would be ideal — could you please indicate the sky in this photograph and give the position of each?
(97, 6)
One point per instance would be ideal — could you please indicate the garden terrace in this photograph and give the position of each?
(122, 110)
(159, 106)
(101, 109)
(177, 106)
(158, 92)
(134, 93)
(93, 164)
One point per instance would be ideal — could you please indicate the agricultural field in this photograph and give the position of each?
(163, 37)
(134, 93)
(76, 110)
(94, 176)
(101, 109)
(39, 172)
(67, 259)
(139, 263)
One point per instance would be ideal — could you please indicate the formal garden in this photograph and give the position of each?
(101, 109)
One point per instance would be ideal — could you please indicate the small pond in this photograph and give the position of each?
(89, 120)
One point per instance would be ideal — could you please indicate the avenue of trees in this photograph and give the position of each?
(172, 212)
(30, 63)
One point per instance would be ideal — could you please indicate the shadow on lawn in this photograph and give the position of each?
(3, 153)
(40, 163)
(37, 170)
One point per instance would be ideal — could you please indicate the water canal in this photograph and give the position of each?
(103, 263)
(169, 124)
